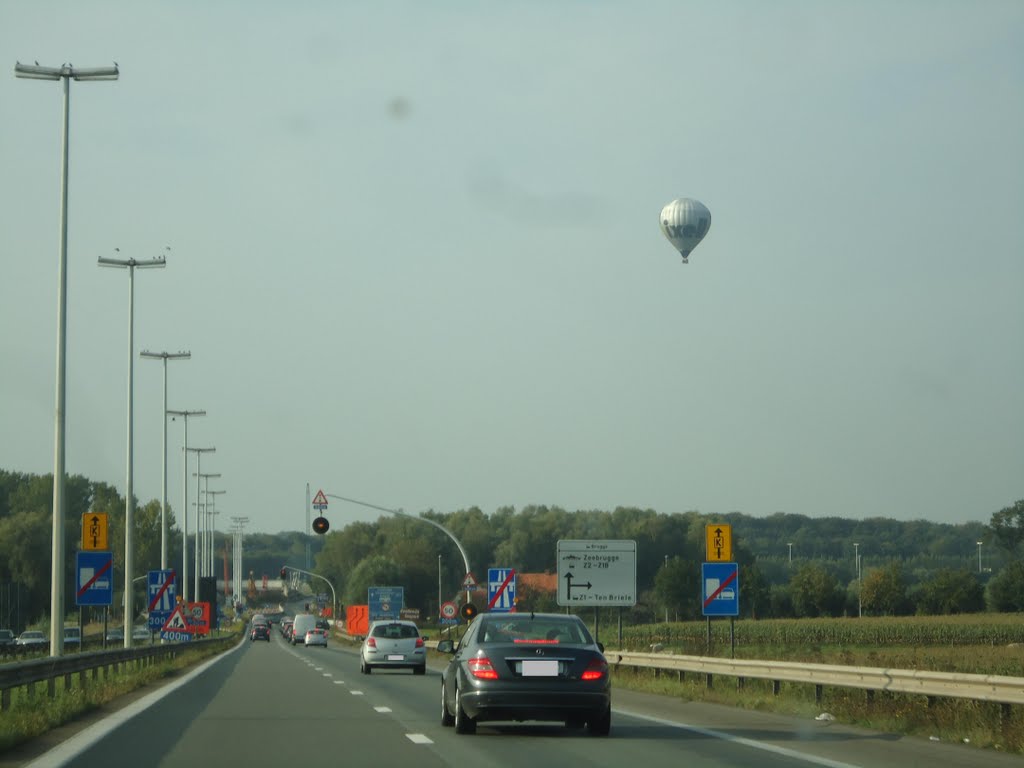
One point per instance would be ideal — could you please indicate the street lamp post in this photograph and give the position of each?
(238, 524)
(165, 356)
(979, 557)
(129, 515)
(856, 557)
(211, 513)
(790, 545)
(184, 500)
(202, 518)
(199, 461)
(462, 551)
(64, 73)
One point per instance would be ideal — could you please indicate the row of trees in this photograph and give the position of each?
(932, 572)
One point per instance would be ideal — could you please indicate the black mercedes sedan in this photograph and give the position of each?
(526, 666)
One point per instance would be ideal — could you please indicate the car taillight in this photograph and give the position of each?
(596, 669)
(419, 642)
(371, 643)
(480, 667)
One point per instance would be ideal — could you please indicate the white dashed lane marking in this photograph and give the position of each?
(383, 709)
(418, 738)
(356, 693)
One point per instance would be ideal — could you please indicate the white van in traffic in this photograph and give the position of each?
(302, 624)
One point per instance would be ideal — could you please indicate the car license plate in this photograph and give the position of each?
(540, 668)
(396, 657)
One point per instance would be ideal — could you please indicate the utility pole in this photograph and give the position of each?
(199, 461)
(184, 500)
(165, 356)
(129, 514)
(64, 73)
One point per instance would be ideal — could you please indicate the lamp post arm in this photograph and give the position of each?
(462, 551)
(334, 595)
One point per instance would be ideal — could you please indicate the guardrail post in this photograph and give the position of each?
(5, 699)
(931, 702)
(817, 694)
(657, 673)
(51, 687)
(710, 683)
(67, 681)
(681, 674)
(869, 697)
(776, 687)
(739, 683)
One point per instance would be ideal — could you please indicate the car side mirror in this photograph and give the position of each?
(446, 646)
(425, 637)
(600, 647)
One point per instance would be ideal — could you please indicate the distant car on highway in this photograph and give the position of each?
(316, 636)
(393, 645)
(32, 637)
(6, 638)
(260, 632)
(72, 637)
(518, 666)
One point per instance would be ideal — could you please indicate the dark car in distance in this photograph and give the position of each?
(526, 666)
(260, 632)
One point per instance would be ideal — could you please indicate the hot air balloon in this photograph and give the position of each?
(685, 222)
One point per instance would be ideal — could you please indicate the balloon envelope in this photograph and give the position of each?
(685, 222)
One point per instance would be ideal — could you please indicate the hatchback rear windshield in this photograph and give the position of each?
(395, 631)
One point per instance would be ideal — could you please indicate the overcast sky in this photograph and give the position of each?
(415, 254)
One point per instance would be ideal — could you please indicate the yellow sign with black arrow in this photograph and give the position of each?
(719, 543)
(94, 531)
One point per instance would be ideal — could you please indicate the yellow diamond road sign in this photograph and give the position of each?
(94, 531)
(719, 542)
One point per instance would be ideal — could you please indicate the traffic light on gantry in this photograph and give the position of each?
(321, 526)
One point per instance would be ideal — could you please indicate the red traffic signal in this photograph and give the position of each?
(468, 611)
(321, 526)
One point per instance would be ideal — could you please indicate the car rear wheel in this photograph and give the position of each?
(602, 723)
(463, 722)
(447, 718)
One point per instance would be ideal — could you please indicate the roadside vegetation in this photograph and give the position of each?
(979, 643)
(33, 713)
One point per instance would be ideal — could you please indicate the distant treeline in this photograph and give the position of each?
(791, 565)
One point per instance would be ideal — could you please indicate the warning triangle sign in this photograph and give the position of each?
(320, 498)
(176, 622)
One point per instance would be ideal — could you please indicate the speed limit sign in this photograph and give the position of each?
(449, 610)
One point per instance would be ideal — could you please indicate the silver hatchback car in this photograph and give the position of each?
(393, 645)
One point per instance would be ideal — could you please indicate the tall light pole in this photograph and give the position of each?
(211, 513)
(790, 545)
(979, 557)
(203, 522)
(165, 356)
(238, 524)
(199, 461)
(64, 73)
(856, 557)
(184, 499)
(129, 514)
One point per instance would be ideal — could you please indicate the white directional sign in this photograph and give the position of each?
(596, 572)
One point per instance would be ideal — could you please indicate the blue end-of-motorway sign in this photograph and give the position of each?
(720, 589)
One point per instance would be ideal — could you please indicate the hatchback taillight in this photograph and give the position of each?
(419, 642)
(371, 643)
(481, 668)
(596, 669)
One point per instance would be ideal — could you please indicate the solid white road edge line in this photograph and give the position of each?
(84, 739)
(783, 751)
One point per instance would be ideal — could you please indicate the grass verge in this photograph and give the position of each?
(33, 714)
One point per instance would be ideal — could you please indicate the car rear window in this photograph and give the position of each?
(395, 631)
(540, 631)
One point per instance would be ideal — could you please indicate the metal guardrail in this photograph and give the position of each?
(996, 688)
(49, 669)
